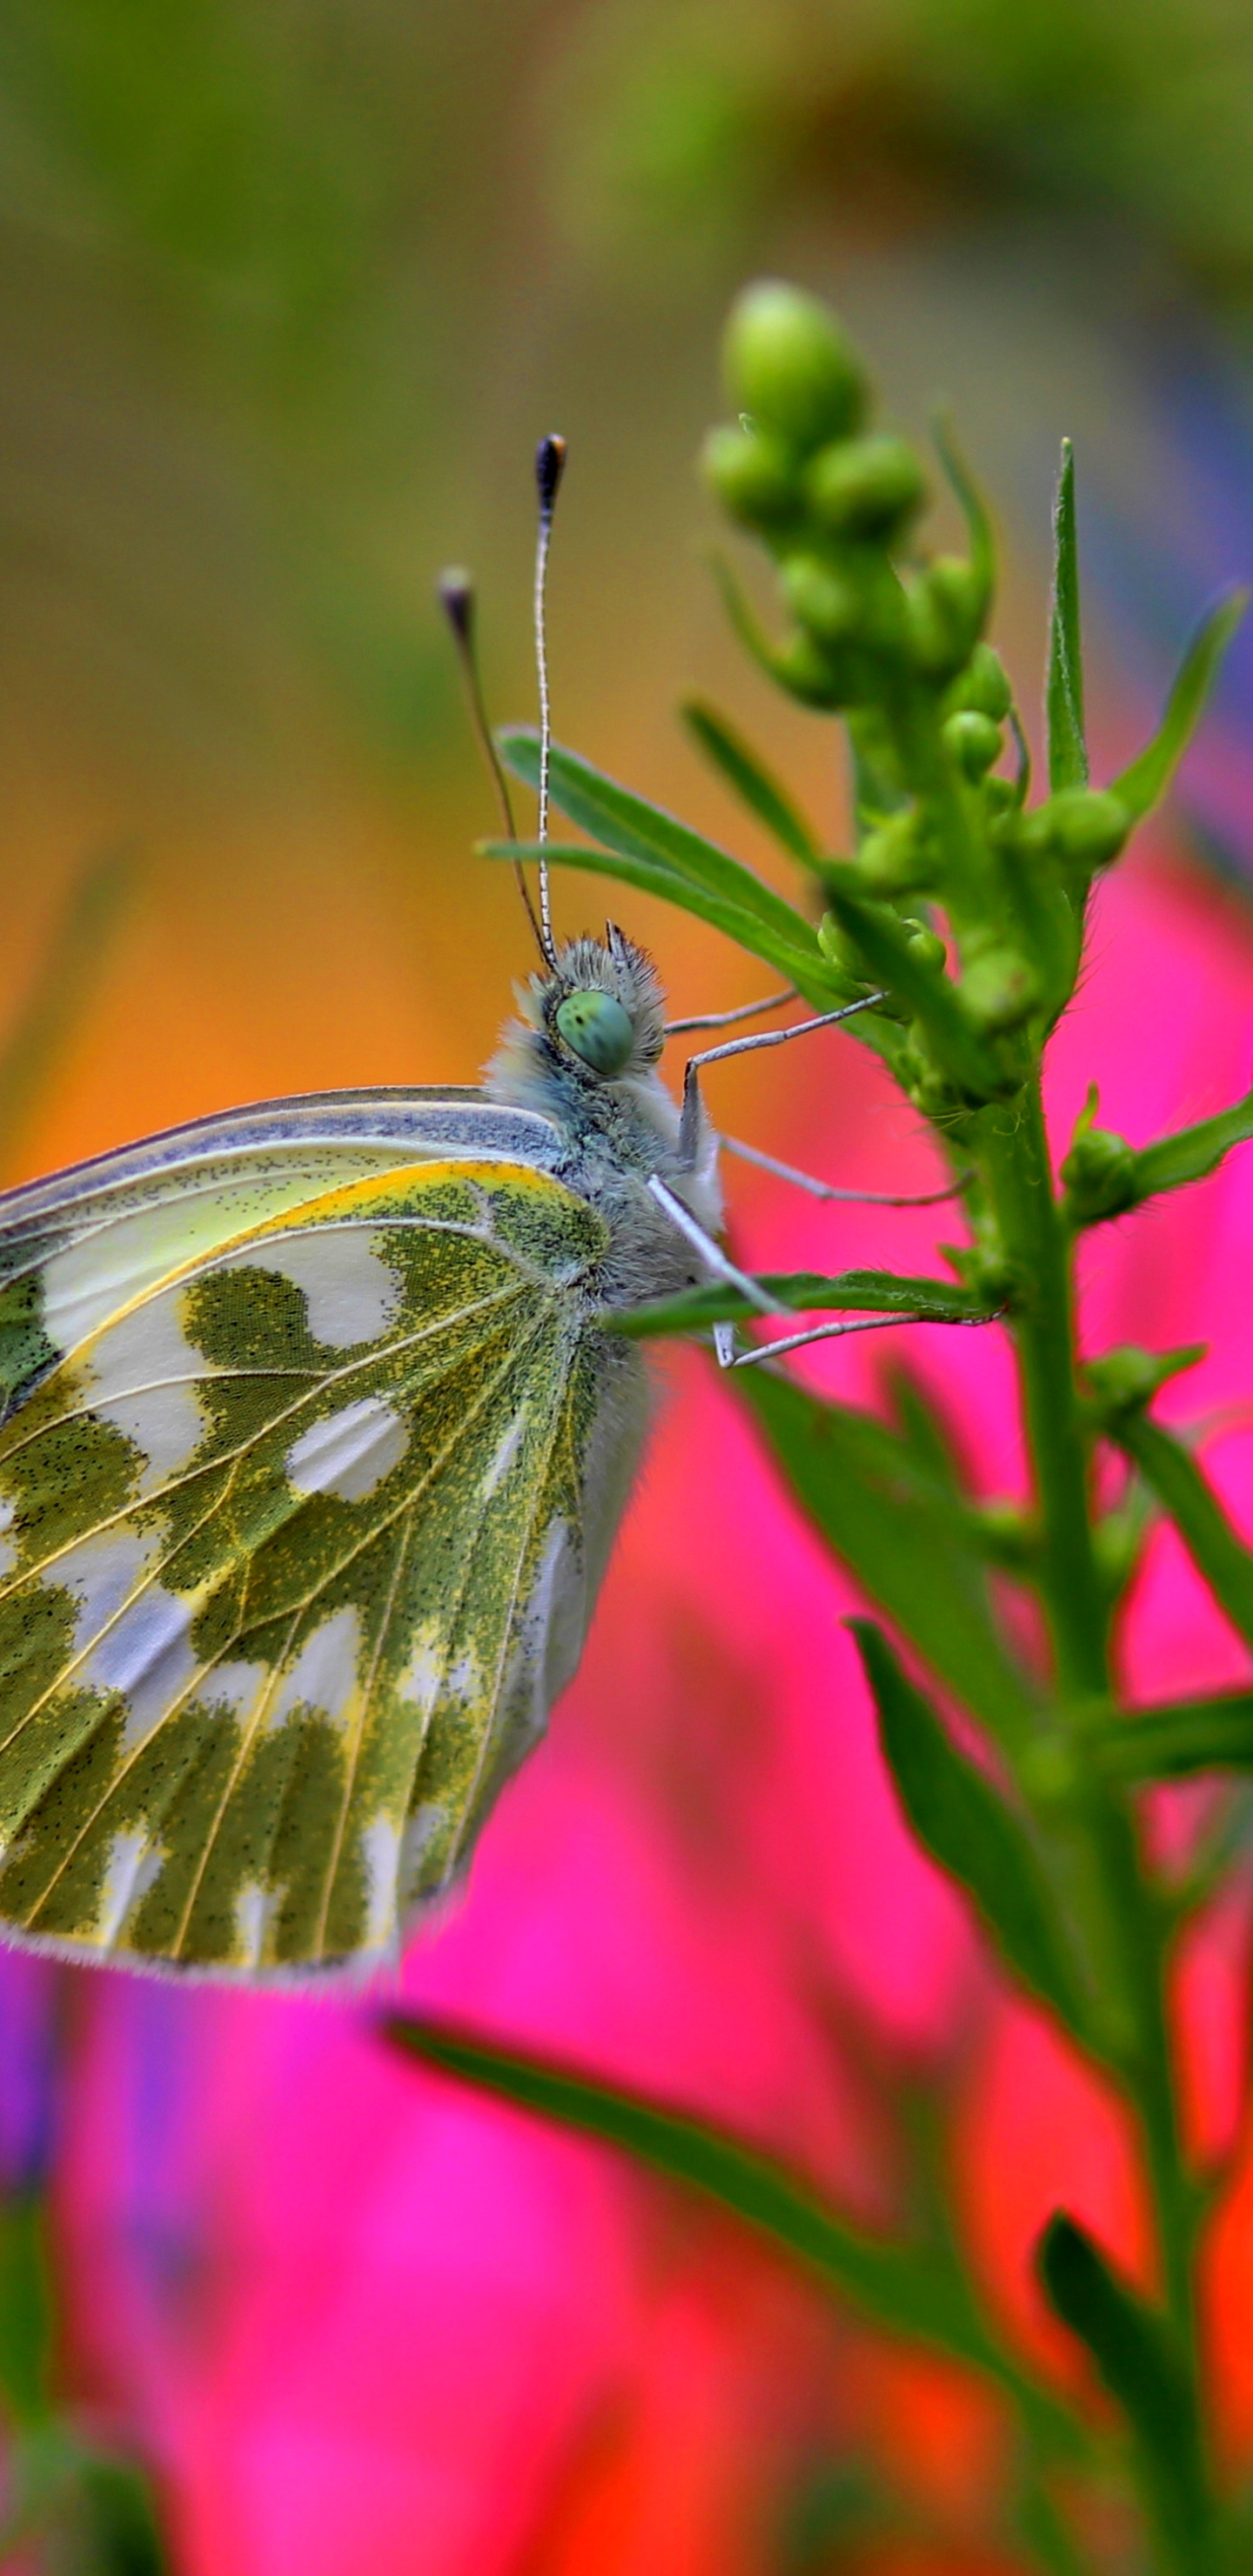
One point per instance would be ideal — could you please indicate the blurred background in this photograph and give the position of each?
(288, 290)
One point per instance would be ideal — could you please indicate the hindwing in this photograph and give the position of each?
(295, 1553)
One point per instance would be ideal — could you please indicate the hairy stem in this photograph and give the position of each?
(1091, 1838)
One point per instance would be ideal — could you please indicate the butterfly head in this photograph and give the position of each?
(595, 1019)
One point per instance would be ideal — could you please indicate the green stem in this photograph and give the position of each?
(1092, 1841)
(1020, 1178)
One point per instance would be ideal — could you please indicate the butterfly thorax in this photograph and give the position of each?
(584, 1055)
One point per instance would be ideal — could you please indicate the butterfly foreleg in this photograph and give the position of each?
(826, 1190)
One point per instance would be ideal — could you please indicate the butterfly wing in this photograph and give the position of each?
(297, 1554)
(75, 1247)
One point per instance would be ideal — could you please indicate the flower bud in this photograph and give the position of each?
(947, 605)
(867, 487)
(789, 365)
(1124, 1379)
(1099, 1175)
(840, 950)
(983, 686)
(999, 989)
(820, 676)
(927, 947)
(821, 600)
(1085, 827)
(895, 859)
(974, 741)
(751, 474)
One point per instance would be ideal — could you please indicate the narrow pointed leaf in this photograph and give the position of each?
(26, 2316)
(1068, 756)
(893, 1523)
(910, 2290)
(1136, 2355)
(749, 778)
(1145, 783)
(931, 997)
(1218, 1553)
(806, 968)
(64, 982)
(965, 1824)
(634, 829)
(971, 502)
(1192, 1151)
(1178, 1739)
(886, 1292)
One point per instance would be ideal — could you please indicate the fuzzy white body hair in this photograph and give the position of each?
(616, 1131)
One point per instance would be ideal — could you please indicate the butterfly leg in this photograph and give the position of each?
(726, 1019)
(833, 1332)
(690, 1126)
(711, 1253)
(825, 1190)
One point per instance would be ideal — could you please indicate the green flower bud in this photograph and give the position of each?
(895, 859)
(866, 487)
(985, 1269)
(1084, 827)
(927, 947)
(841, 951)
(751, 474)
(821, 600)
(1099, 1175)
(983, 686)
(999, 989)
(1000, 797)
(789, 364)
(818, 676)
(947, 606)
(974, 741)
(1048, 1771)
(1124, 1379)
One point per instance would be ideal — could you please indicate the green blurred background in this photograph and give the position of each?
(288, 288)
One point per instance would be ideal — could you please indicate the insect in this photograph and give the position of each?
(313, 1450)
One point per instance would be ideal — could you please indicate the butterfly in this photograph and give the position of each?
(312, 1448)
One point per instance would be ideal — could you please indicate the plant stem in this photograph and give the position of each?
(1020, 1178)
(1092, 1839)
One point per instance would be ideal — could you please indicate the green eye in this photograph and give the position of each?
(598, 1029)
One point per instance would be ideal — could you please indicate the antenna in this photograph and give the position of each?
(550, 458)
(455, 593)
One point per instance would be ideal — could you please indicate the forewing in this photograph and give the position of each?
(77, 1247)
(295, 1560)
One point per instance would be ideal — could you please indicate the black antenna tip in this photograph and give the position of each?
(455, 593)
(550, 460)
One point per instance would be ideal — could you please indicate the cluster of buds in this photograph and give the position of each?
(834, 503)
(895, 642)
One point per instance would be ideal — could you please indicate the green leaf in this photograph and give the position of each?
(970, 499)
(26, 2321)
(964, 1823)
(886, 1292)
(894, 1525)
(1139, 2360)
(1144, 784)
(930, 997)
(1179, 1738)
(1068, 756)
(65, 981)
(1191, 1152)
(748, 777)
(914, 2290)
(1219, 1555)
(633, 829)
(806, 968)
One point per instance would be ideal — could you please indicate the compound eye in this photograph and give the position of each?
(598, 1029)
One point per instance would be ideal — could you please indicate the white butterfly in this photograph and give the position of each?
(314, 1448)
